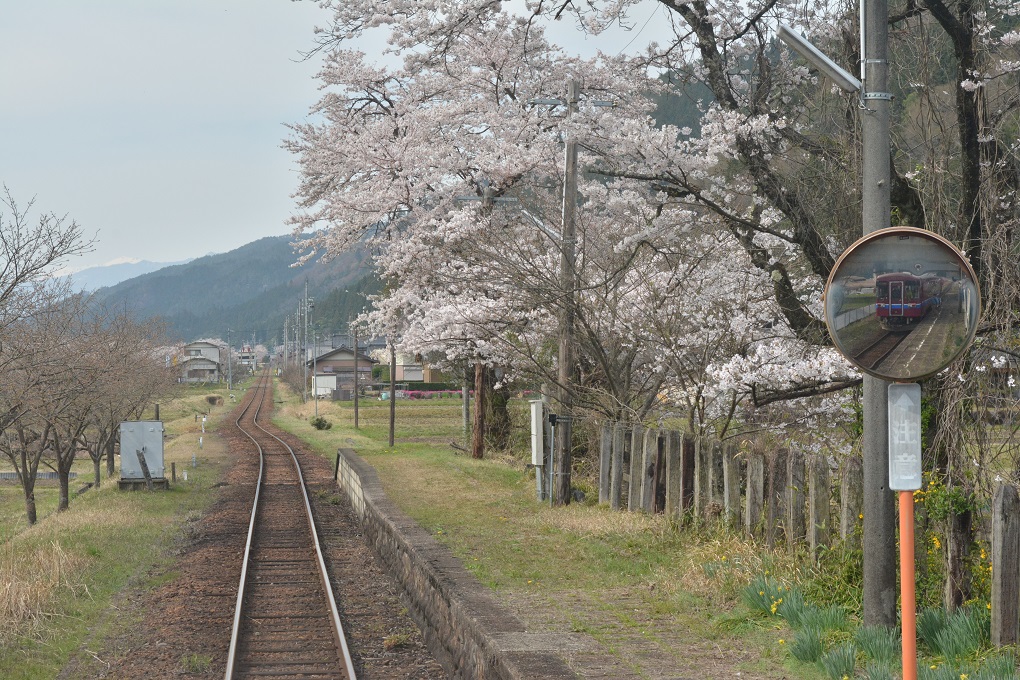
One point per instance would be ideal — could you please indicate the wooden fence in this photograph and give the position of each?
(783, 498)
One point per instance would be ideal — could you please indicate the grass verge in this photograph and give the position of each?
(59, 578)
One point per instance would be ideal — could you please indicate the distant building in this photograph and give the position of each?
(200, 362)
(248, 358)
(335, 369)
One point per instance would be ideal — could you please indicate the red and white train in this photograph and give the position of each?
(904, 299)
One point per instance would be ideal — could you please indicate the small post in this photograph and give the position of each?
(616, 474)
(173, 472)
(636, 462)
(755, 493)
(851, 494)
(1005, 574)
(650, 450)
(731, 485)
(774, 531)
(818, 503)
(145, 467)
(605, 461)
(795, 516)
(336, 467)
(674, 476)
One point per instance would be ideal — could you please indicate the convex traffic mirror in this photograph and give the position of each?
(902, 304)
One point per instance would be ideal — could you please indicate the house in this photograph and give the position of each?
(411, 369)
(200, 362)
(335, 369)
(248, 358)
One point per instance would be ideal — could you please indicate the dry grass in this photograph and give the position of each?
(30, 578)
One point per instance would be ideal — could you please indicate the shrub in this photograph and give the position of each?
(320, 423)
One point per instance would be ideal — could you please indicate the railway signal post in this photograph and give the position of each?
(902, 304)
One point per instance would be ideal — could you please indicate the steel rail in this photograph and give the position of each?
(338, 632)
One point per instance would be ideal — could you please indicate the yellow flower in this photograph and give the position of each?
(860, 516)
(963, 676)
(724, 558)
(782, 641)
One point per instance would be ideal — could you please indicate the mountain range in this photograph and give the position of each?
(250, 291)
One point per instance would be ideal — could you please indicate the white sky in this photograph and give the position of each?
(156, 124)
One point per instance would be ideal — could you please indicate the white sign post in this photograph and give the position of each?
(904, 436)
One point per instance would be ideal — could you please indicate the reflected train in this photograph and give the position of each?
(904, 299)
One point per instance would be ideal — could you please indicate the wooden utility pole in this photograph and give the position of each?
(879, 502)
(568, 255)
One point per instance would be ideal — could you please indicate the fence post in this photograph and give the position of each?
(796, 523)
(818, 503)
(616, 475)
(778, 472)
(674, 475)
(688, 450)
(717, 495)
(731, 484)
(637, 457)
(702, 461)
(755, 493)
(851, 494)
(650, 449)
(1005, 569)
(605, 461)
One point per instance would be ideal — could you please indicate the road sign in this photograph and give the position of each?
(904, 436)
(902, 304)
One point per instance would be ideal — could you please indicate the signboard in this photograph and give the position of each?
(904, 436)
(901, 304)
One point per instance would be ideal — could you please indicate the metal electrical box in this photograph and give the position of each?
(145, 436)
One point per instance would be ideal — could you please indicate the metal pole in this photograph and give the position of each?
(315, 370)
(907, 595)
(879, 513)
(230, 365)
(355, 377)
(393, 391)
(567, 285)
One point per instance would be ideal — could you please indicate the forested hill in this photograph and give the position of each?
(249, 290)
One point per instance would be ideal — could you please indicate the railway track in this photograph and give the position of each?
(286, 623)
(876, 352)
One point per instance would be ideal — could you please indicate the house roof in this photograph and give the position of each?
(341, 353)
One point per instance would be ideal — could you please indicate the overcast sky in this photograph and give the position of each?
(156, 124)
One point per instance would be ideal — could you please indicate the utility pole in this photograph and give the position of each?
(230, 365)
(568, 257)
(304, 345)
(879, 501)
(393, 392)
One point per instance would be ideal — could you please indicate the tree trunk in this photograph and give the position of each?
(30, 513)
(478, 432)
(499, 426)
(97, 466)
(65, 496)
(110, 467)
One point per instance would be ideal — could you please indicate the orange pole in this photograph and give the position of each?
(907, 600)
